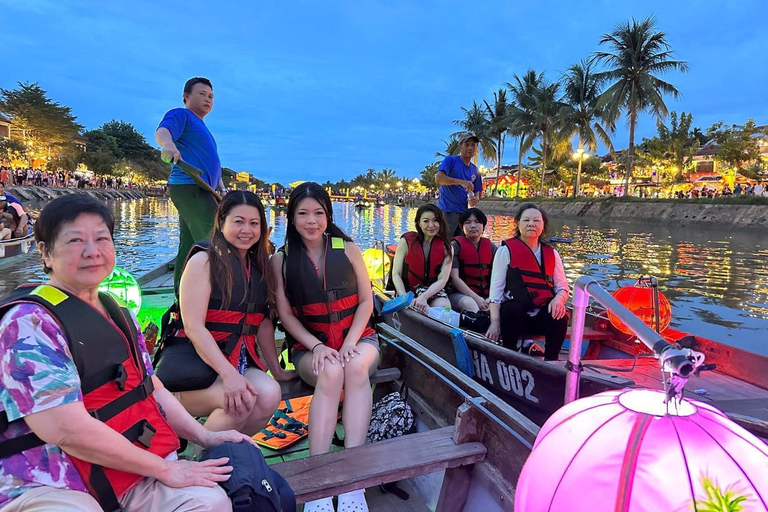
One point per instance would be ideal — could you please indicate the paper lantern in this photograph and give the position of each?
(639, 300)
(123, 286)
(628, 451)
(377, 263)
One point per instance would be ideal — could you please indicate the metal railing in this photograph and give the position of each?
(680, 362)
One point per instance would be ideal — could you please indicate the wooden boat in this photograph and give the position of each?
(612, 360)
(466, 455)
(17, 246)
(363, 204)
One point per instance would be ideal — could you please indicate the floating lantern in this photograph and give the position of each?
(377, 263)
(639, 300)
(629, 451)
(123, 286)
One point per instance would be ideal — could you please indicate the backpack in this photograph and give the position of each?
(253, 486)
(391, 417)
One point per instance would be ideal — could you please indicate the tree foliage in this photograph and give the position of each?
(428, 176)
(673, 148)
(737, 146)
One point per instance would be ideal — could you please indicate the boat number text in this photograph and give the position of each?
(509, 376)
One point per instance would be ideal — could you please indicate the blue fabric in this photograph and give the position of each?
(11, 198)
(453, 198)
(196, 145)
(463, 358)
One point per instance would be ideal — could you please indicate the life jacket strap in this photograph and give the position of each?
(125, 400)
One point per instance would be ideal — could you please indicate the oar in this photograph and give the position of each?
(196, 175)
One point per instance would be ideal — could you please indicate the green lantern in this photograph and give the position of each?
(122, 285)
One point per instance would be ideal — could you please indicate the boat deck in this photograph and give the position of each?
(723, 391)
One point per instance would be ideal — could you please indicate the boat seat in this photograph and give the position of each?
(297, 387)
(378, 463)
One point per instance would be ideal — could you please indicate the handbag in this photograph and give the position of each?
(180, 368)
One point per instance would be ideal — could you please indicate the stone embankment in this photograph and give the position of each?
(27, 194)
(671, 212)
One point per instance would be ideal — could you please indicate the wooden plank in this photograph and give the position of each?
(297, 387)
(375, 464)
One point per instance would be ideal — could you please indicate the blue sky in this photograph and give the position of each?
(325, 90)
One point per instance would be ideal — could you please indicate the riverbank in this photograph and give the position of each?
(30, 194)
(746, 212)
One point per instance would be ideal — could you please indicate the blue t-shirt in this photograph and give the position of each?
(11, 198)
(453, 198)
(196, 145)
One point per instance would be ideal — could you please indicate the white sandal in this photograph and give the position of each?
(321, 505)
(353, 501)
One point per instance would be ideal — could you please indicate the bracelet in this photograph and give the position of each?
(313, 348)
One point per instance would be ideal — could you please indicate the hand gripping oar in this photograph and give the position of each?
(196, 175)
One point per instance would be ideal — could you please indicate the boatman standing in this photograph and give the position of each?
(184, 136)
(460, 182)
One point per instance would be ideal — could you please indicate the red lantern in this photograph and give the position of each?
(639, 300)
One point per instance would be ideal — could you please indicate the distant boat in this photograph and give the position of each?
(17, 246)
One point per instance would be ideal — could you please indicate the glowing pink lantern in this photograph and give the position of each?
(623, 451)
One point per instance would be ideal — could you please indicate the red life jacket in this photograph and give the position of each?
(239, 322)
(529, 283)
(415, 271)
(326, 308)
(475, 264)
(116, 387)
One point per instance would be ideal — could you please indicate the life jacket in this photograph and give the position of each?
(116, 386)
(326, 308)
(529, 283)
(416, 272)
(288, 425)
(235, 325)
(475, 264)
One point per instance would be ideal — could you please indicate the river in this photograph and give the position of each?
(715, 279)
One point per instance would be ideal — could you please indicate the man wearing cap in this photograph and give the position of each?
(9, 197)
(184, 136)
(13, 217)
(460, 182)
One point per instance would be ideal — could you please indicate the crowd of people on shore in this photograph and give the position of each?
(29, 177)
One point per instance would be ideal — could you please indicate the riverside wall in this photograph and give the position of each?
(679, 213)
(36, 194)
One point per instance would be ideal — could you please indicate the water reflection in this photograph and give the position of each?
(716, 281)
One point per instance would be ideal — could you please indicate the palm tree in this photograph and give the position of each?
(521, 115)
(475, 120)
(638, 52)
(451, 149)
(581, 90)
(498, 124)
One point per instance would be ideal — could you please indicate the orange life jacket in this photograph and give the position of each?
(239, 322)
(289, 424)
(529, 283)
(475, 264)
(326, 308)
(116, 386)
(416, 271)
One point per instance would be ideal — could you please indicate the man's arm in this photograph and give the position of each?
(443, 179)
(169, 151)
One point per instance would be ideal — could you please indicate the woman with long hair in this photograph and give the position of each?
(423, 260)
(325, 303)
(528, 286)
(227, 291)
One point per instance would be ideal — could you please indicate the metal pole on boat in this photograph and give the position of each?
(580, 303)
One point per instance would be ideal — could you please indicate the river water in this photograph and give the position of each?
(716, 280)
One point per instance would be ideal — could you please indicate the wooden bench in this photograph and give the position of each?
(297, 387)
(379, 463)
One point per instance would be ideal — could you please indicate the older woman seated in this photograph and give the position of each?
(85, 425)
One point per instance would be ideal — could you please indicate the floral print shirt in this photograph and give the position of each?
(37, 373)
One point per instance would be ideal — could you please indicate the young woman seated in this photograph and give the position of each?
(226, 293)
(528, 286)
(423, 259)
(472, 261)
(325, 303)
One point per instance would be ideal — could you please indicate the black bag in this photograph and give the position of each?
(478, 322)
(253, 486)
(180, 368)
(391, 417)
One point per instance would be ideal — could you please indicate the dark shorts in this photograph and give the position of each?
(373, 339)
(421, 289)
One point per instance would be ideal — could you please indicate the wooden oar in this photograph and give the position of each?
(196, 175)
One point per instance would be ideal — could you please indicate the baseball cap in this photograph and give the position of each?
(465, 136)
(2, 198)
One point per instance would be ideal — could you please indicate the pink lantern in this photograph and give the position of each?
(628, 451)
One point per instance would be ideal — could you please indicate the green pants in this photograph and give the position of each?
(196, 211)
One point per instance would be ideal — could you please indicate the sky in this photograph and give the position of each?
(325, 90)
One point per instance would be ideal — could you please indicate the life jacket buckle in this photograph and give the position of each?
(248, 330)
(334, 317)
(121, 378)
(331, 295)
(147, 433)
